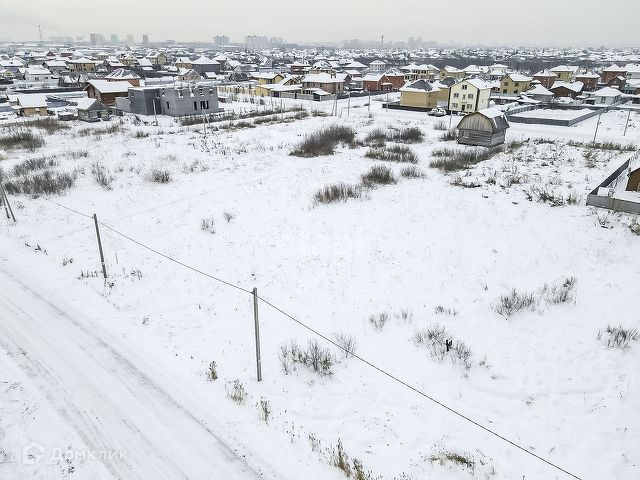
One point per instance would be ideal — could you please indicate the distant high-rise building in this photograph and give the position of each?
(96, 39)
(129, 39)
(220, 40)
(255, 42)
(114, 38)
(145, 39)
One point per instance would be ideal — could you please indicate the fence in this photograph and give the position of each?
(568, 122)
(611, 182)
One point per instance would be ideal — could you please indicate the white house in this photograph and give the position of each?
(469, 95)
(38, 74)
(377, 66)
(606, 96)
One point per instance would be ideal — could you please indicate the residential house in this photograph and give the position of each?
(286, 85)
(564, 73)
(469, 95)
(484, 128)
(612, 72)
(56, 66)
(7, 75)
(377, 66)
(91, 110)
(188, 75)
(126, 75)
(81, 65)
(267, 78)
(633, 71)
(566, 89)
(452, 72)
(326, 82)
(606, 96)
(422, 94)
(540, 93)
(107, 91)
(617, 82)
(158, 59)
(203, 65)
(299, 67)
(514, 84)
(546, 78)
(32, 104)
(175, 101)
(38, 74)
(417, 72)
(389, 81)
(129, 59)
(589, 79)
(633, 183)
(183, 62)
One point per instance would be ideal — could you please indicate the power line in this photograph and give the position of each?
(329, 340)
(217, 279)
(414, 389)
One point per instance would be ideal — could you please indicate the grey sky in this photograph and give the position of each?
(494, 22)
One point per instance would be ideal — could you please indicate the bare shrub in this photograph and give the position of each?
(102, 176)
(619, 337)
(441, 345)
(376, 138)
(21, 139)
(378, 175)
(393, 153)
(634, 226)
(46, 182)
(265, 410)
(347, 343)
(563, 293)
(228, 216)
(339, 192)
(407, 135)
(440, 310)
(208, 225)
(236, 391)
(324, 142)
(443, 458)
(32, 165)
(405, 315)
(449, 135)
(316, 358)
(160, 176)
(412, 172)
(440, 126)
(544, 195)
(458, 181)
(379, 320)
(140, 134)
(514, 302)
(212, 372)
(454, 160)
(48, 124)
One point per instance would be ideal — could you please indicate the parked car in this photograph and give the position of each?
(437, 112)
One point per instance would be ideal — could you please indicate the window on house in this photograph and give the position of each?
(180, 93)
(506, 84)
(471, 95)
(454, 105)
(504, 90)
(168, 106)
(456, 95)
(464, 87)
(469, 106)
(195, 106)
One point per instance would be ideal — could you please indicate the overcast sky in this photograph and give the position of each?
(488, 22)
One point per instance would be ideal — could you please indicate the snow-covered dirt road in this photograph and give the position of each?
(136, 426)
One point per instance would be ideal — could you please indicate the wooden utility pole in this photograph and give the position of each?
(257, 330)
(7, 205)
(597, 125)
(627, 123)
(349, 105)
(104, 267)
(369, 101)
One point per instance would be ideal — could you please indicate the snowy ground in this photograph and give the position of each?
(553, 113)
(541, 378)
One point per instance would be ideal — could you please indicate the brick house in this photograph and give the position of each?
(612, 72)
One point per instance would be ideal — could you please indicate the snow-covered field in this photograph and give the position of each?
(553, 113)
(420, 252)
